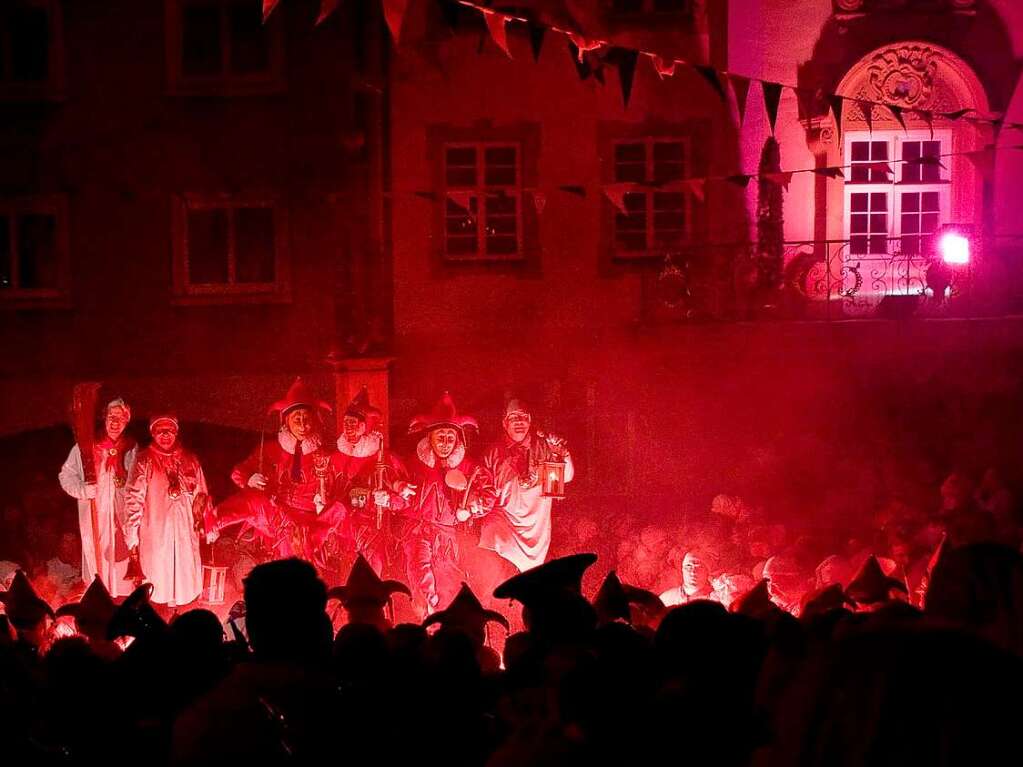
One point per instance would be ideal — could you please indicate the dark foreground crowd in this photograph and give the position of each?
(861, 677)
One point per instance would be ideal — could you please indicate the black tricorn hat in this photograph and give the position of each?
(614, 597)
(135, 616)
(24, 607)
(871, 586)
(364, 586)
(466, 611)
(534, 585)
(93, 612)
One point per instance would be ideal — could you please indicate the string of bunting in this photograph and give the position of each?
(616, 191)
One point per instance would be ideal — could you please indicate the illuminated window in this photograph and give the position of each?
(896, 191)
(31, 51)
(230, 246)
(34, 264)
(482, 201)
(656, 219)
(223, 47)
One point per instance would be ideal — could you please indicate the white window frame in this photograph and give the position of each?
(479, 191)
(687, 197)
(894, 188)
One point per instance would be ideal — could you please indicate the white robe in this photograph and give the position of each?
(163, 527)
(110, 516)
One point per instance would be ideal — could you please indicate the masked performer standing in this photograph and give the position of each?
(114, 454)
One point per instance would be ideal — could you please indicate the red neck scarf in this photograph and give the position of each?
(112, 454)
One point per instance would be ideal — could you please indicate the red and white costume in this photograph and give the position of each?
(433, 536)
(114, 462)
(519, 529)
(286, 514)
(161, 491)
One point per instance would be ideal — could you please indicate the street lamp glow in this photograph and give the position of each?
(954, 248)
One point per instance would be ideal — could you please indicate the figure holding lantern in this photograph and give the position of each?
(530, 470)
(452, 492)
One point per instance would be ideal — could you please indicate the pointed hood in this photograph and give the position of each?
(135, 616)
(614, 598)
(24, 607)
(756, 603)
(93, 612)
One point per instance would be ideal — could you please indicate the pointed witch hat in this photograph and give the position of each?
(756, 603)
(136, 617)
(299, 395)
(466, 611)
(24, 607)
(444, 413)
(824, 600)
(360, 408)
(614, 598)
(365, 587)
(871, 586)
(531, 586)
(93, 612)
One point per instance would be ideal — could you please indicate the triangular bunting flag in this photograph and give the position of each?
(867, 110)
(394, 13)
(462, 199)
(268, 8)
(698, 188)
(836, 109)
(740, 87)
(880, 167)
(581, 67)
(576, 189)
(829, 172)
(583, 44)
(626, 71)
(927, 117)
(327, 7)
(957, 115)
(711, 76)
(739, 179)
(896, 111)
(807, 99)
(536, 35)
(497, 24)
(781, 178)
(616, 194)
(663, 67)
(772, 95)
(926, 160)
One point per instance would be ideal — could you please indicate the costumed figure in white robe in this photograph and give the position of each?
(519, 528)
(165, 500)
(115, 454)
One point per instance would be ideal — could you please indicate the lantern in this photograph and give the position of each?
(214, 580)
(554, 479)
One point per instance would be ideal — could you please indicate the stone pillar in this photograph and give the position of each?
(351, 374)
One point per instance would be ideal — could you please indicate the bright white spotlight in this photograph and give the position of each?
(954, 248)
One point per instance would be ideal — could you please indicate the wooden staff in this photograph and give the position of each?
(83, 417)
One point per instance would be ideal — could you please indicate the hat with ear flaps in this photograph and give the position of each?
(24, 607)
(93, 612)
(466, 611)
(614, 598)
(870, 586)
(365, 587)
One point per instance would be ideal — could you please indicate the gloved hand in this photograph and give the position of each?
(257, 481)
(382, 499)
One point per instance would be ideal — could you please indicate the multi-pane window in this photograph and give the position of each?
(29, 48)
(482, 201)
(656, 217)
(222, 43)
(228, 246)
(896, 192)
(33, 251)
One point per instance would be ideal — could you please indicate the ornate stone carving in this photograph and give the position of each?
(904, 75)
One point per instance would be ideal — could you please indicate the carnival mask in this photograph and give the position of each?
(300, 422)
(516, 425)
(443, 441)
(353, 428)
